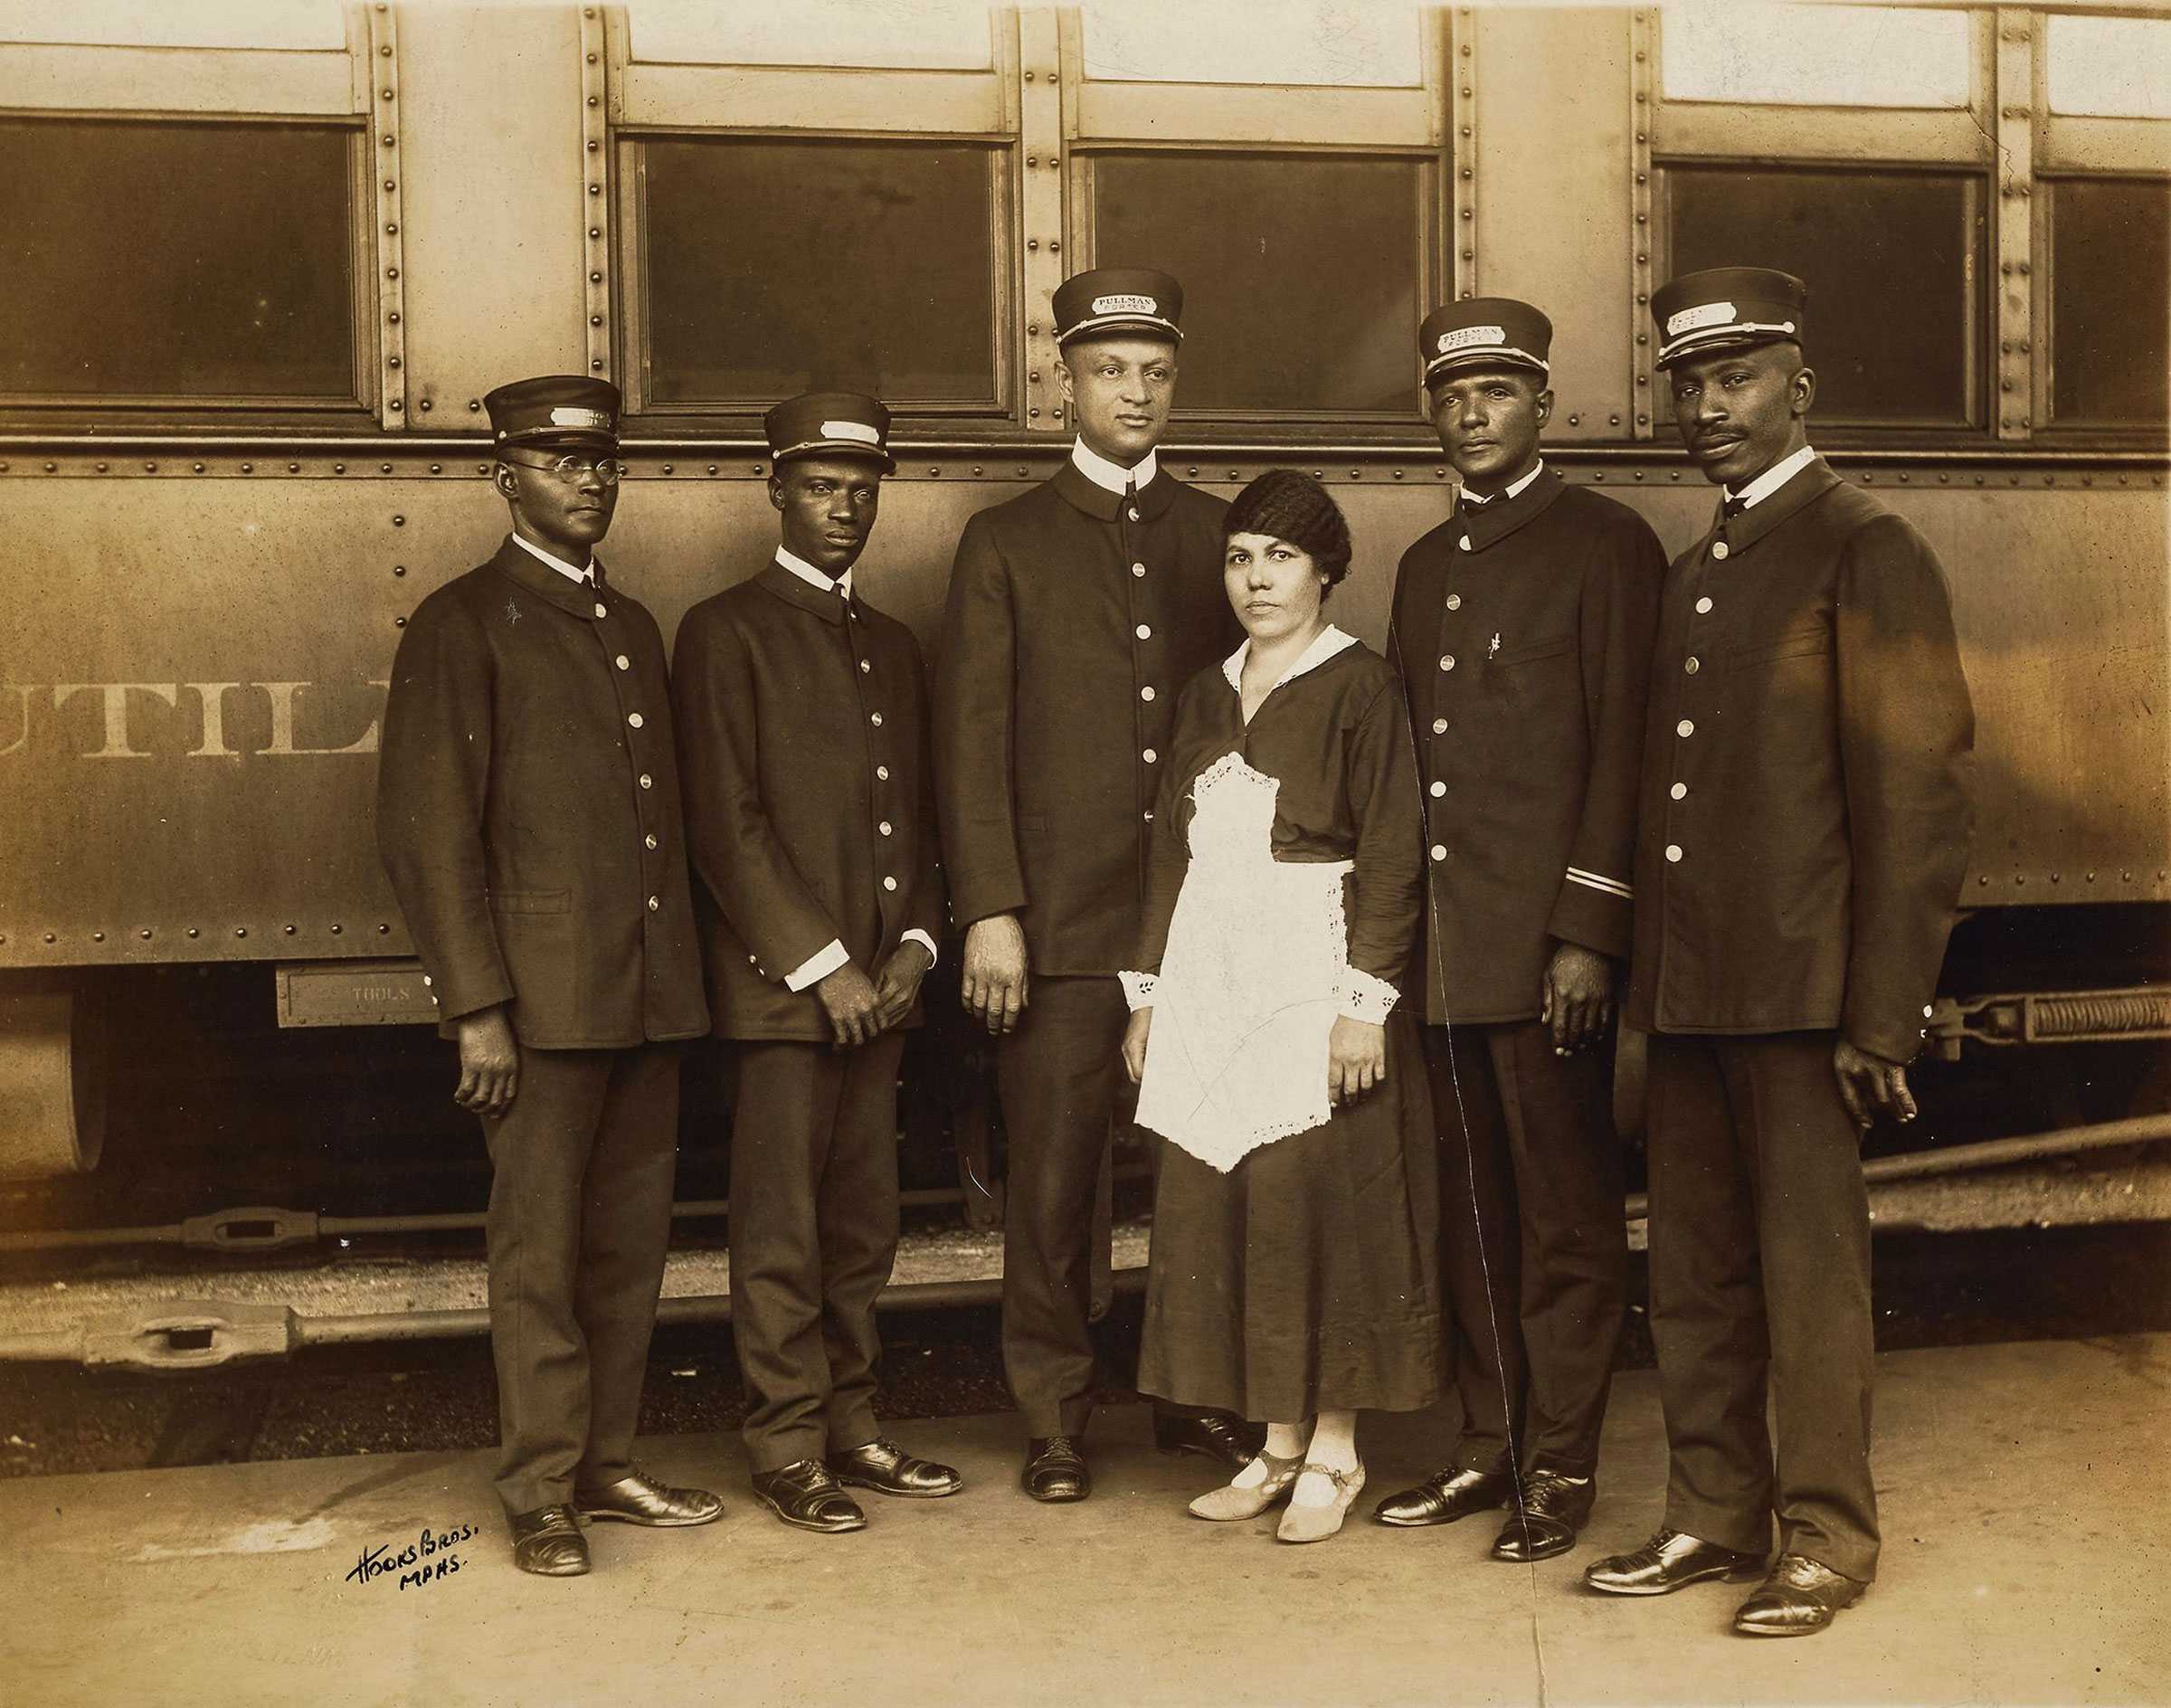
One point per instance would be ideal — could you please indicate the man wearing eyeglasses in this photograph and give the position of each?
(528, 818)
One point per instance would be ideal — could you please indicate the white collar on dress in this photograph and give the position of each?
(558, 563)
(813, 577)
(1112, 477)
(1324, 646)
(1515, 491)
(1775, 476)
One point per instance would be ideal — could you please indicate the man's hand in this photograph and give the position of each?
(1355, 1058)
(1578, 997)
(1869, 1086)
(853, 1005)
(490, 1062)
(1134, 1043)
(995, 973)
(899, 984)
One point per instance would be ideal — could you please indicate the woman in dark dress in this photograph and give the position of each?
(1292, 1277)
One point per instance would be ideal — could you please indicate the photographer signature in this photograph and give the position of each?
(428, 1559)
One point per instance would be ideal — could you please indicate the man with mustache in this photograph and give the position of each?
(801, 718)
(1077, 611)
(1522, 627)
(527, 814)
(1803, 833)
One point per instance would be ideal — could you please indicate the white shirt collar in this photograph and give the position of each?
(1775, 476)
(1515, 491)
(1111, 475)
(813, 577)
(1324, 645)
(558, 563)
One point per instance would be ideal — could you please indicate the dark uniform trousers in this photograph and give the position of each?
(1760, 1267)
(579, 1218)
(1532, 1250)
(814, 1188)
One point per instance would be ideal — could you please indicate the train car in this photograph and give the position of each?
(264, 260)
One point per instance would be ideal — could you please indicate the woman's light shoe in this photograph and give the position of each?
(1231, 1505)
(1316, 1523)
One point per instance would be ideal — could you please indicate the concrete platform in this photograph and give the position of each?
(2024, 1562)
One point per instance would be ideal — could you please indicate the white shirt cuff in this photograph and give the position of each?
(818, 966)
(1363, 997)
(927, 942)
(1138, 989)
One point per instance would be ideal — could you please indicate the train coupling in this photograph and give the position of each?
(185, 1336)
(2049, 1017)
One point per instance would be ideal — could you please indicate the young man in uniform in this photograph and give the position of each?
(1804, 831)
(1522, 627)
(1077, 611)
(527, 814)
(810, 817)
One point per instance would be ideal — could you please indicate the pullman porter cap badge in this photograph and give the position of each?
(1118, 300)
(840, 424)
(558, 409)
(1723, 308)
(1490, 331)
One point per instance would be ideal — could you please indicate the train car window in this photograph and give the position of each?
(1894, 262)
(218, 267)
(768, 266)
(1815, 55)
(2110, 301)
(2110, 68)
(944, 35)
(1290, 43)
(1308, 314)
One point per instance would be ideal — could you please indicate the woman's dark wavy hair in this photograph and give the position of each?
(1290, 506)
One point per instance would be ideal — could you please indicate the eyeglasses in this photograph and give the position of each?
(609, 470)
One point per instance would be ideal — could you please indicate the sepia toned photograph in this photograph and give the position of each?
(1145, 854)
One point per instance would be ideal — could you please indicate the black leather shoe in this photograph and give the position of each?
(1444, 1496)
(1055, 1470)
(1544, 1522)
(641, 1500)
(1668, 1561)
(887, 1468)
(1799, 1597)
(806, 1497)
(548, 1543)
(1228, 1442)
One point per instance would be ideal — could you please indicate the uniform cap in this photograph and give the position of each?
(1491, 330)
(557, 409)
(1723, 307)
(838, 422)
(1118, 300)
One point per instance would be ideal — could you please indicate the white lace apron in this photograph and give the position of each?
(1255, 971)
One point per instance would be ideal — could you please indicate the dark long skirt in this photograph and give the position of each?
(1305, 1278)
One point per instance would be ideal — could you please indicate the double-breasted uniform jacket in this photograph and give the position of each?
(1522, 627)
(1074, 621)
(803, 729)
(528, 811)
(1804, 812)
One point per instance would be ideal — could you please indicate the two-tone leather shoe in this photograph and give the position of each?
(548, 1543)
(643, 1500)
(1553, 1507)
(1799, 1597)
(1444, 1496)
(1055, 1470)
(887, 1468)
(1671, 1560)
(807, 1497)
(1228, 1441)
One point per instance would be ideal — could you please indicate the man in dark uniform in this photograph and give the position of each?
(1522, 627)
(1077, 611)
(810, 821)
(1804, 830)
(527, 813)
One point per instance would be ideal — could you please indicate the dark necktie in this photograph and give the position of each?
(1732, 507)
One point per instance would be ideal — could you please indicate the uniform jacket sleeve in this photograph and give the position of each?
(1907, 740)
(1168, 858)
(433, 780)
(734, 850)
(975, 718)
(1382, 783)
(927, 890)
(1620, 625)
